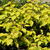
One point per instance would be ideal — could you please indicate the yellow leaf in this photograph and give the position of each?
(24, 30)
(1, 8)
(39, 43)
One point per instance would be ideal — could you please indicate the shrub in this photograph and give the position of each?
(27, 26)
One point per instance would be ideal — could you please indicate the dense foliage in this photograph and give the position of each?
(27, 26)
(20, 2)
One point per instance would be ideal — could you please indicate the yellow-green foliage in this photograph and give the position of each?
(29, 24)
